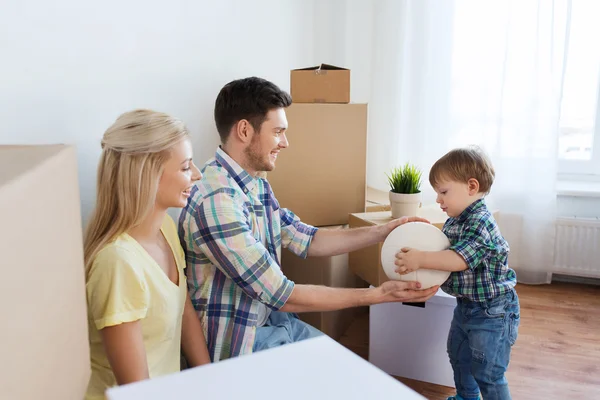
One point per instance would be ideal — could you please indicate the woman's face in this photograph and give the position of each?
(178, 177)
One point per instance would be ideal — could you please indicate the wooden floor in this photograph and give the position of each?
(557, 354)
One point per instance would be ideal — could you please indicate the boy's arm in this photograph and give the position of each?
(409, 260)
(467, 253)
(446, 260)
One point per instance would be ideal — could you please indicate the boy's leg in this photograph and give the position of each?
(459, 353)
(492, 334)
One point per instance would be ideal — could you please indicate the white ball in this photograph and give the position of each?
(419, 236)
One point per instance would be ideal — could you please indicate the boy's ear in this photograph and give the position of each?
(473, 185)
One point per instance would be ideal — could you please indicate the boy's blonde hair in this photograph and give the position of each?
(462, 164)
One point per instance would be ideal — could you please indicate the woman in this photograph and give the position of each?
(140, 314)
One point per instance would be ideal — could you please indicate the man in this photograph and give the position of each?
(233, 229)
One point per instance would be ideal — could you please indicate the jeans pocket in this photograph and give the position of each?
(495, 311)
(513, 327)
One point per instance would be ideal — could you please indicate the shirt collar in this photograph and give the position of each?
(476, 205)
(246, 181)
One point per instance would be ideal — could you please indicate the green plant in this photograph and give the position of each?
(405, 179)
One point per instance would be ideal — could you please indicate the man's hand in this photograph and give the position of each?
(408, 260)
(400, 291)
(386, 229)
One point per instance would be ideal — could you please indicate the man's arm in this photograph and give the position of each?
(309, 298)
(228, 242)
(222, 231)
(331, 242)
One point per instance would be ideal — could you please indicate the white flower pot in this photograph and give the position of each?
(404, 205)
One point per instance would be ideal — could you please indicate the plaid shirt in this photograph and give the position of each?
(232, 231)
(475, 236)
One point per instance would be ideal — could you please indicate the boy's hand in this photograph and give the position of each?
(408, 260)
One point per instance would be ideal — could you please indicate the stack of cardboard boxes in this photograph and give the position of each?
(321, 177)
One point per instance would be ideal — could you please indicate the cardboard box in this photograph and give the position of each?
(366, 263)
(320, 84)
(322, 175)
(377, 200)
(327, 271)
(44, 340)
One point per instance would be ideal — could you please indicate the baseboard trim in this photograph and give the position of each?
(575, 279)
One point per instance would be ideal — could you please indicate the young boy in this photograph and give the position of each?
(486, 318)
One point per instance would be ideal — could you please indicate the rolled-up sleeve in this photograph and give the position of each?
(224, 234)
(296, 236)
(475, 244)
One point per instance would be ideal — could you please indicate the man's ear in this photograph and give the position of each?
(243, 131)
(473, 185)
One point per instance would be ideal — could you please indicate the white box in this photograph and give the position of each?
(318, 368)
(410, 341)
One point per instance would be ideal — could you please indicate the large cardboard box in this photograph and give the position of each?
(320, 84)
(322, 175)
(44, 339)
(327, 271)
(366, 263)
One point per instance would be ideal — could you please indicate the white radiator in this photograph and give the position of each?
(577, 248)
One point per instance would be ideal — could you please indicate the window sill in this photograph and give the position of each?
(574, 188)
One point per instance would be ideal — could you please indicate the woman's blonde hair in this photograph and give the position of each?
(134, 150)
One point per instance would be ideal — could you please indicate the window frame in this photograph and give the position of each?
(585, 170)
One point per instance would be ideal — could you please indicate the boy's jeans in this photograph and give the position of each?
(479, 343)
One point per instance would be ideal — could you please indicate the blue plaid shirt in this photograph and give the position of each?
(474, 235)
(232, 231)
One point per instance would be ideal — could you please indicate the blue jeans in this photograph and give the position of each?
(479, 343)
(282, 328)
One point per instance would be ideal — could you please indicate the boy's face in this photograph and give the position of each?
(454, 197)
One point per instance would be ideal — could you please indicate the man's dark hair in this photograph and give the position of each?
(250, 99)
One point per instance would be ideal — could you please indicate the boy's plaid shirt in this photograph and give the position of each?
(475, 236)
(229, 269)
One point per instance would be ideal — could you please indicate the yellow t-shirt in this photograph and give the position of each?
(125, 284)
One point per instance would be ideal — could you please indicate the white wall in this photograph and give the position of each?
(68, 68)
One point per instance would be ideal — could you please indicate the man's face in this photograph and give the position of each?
(265, 145)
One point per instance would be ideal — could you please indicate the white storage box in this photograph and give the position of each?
(410, 341)
(317, 368)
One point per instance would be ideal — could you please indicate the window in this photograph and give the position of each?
(579, 135)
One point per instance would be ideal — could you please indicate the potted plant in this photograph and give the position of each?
(405, 190)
